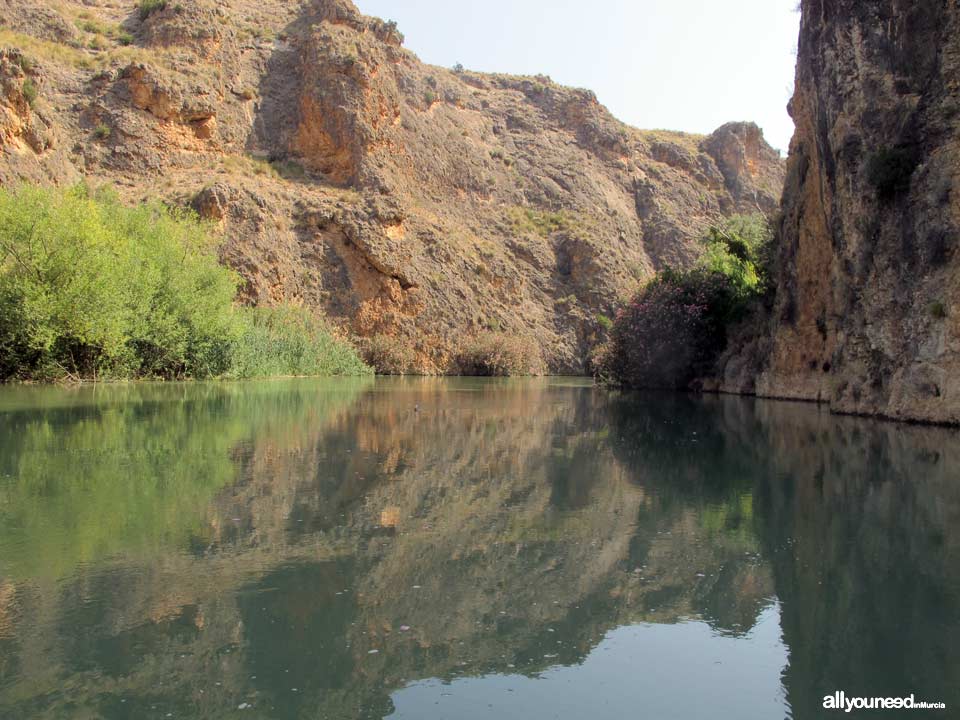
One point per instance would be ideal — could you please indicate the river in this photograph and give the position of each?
(467, 548)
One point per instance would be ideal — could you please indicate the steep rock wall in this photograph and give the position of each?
(867, 315)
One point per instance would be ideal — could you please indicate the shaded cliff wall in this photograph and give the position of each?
(866, 315)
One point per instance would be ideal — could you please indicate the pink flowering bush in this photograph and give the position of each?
(671, 331)
(675, 328)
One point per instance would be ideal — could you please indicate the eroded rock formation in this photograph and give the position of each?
(406, 201)
(866, 316)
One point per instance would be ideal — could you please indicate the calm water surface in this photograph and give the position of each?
(464, 549)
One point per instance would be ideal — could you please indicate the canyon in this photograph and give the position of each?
(415, 206)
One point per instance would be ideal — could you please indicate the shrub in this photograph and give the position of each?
(605, 322)
(390, 26)
(938, 310)
(102, 131)
(91, 288)
(290, 340)
(30, 91)
(674, 329)
(429, 97)
(889, 171)
(125, 38)
(538, 222)
(741, 248)
(500, 354)
(389, 354)
(148, 7)
(670, 332)
(458, 69)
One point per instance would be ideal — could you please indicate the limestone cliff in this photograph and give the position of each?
(406, 201)
(867, 310)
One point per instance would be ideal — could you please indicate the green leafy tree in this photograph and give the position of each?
(92, 288)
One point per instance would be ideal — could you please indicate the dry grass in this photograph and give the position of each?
(492, 353)
(688, 141)
(541, 222)
(389, 355)
(46, 50)
(247, 166)
(79, 58)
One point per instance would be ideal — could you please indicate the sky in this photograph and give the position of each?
(688, 65)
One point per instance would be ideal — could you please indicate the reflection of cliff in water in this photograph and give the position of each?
(455, 528)
(858, 520)
(492, 520)
(863, 531)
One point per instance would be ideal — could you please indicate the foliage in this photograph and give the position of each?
(290, 340)
(938, 310)
(458, 69)
(538, 222)
(389, 354)
(102, 131)
(30, 91)
(670, 331)
(148, 7)
(91, 288)
(493, 353)
(741, 248)
(673, 330)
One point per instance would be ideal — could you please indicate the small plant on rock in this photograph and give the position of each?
(148, 7)
(30, 91)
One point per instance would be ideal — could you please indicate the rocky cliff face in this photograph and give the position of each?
(406, 201)
(867, 311)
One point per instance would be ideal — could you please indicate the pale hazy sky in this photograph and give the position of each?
(678, 64)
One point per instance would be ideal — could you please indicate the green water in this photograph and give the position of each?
(467, 549)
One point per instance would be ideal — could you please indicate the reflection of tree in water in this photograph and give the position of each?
(531, 519)
(699, 517)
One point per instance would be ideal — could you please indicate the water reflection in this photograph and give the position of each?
(426, 548)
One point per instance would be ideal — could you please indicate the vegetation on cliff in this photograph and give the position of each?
(91, 288)
(674, 329)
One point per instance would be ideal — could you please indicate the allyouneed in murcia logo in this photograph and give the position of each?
(840, 701)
